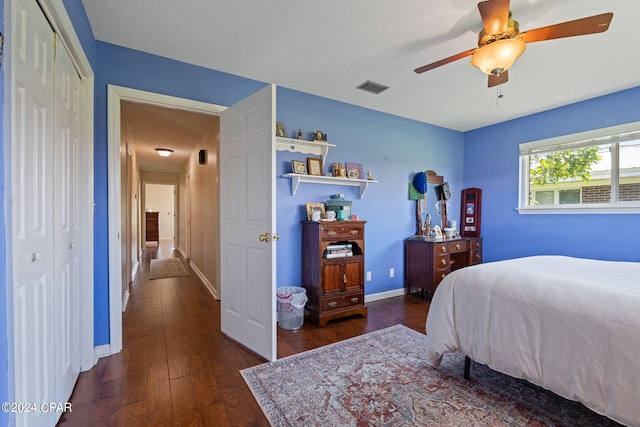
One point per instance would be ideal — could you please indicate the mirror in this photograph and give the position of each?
(433, 180)
(427, 206)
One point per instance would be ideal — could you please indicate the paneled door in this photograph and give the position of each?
(247, 222)
(66, 223)
(32, 205)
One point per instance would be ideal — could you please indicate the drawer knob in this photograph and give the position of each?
(443, 248)
(333, 304)
(443, 274)
(443, 261)
(355, 299)
(478, 256)
(331, 233)
(354, 232)
(477, 244)
(458, 246)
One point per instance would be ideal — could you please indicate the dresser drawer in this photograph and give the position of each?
(438, 275)
(343, 232)
(458, 246)
(342, 301)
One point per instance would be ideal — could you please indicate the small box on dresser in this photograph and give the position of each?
(335, 285)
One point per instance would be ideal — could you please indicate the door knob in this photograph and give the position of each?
(266, 237)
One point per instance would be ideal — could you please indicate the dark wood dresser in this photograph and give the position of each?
(151, 227)
(428, 260)
(335, 286)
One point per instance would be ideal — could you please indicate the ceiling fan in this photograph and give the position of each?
(500, 43)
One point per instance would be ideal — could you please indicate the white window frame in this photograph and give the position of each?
(576, 140)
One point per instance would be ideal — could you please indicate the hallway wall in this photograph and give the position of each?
(204, 236)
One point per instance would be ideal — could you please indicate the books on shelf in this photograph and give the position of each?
(338, 250)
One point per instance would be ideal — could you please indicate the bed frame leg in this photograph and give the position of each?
(467, 367)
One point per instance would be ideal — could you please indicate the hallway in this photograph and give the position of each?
(177, 368)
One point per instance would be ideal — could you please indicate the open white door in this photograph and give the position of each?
(247, 222)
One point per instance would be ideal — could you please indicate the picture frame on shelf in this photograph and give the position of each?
(280, 130)
(315, 207)
(314, 166)
(354, 170)
(298, 167)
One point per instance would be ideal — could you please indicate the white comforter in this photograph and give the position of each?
(567, 324)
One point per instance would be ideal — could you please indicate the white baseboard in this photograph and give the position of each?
(182, 252)
(205, 281)
(125, 300)
(384, 295)
(134, 271)
(102, 351)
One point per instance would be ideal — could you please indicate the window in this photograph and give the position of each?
(595, 171)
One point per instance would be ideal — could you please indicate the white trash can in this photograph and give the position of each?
(291, 301)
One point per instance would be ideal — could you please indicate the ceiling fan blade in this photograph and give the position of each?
(498, 79)
(591, 25)
(495, 15)
(437, 64)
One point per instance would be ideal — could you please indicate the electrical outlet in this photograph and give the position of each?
(392, 272)
(368, 276)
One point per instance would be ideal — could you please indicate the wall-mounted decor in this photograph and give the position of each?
(314, 166)
(298, 167)
(280, 130)
(354, 170)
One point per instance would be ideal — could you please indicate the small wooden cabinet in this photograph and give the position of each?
(335, 286)
(151, 227)
(428, 260)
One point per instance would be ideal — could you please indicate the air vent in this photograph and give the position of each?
(373, 87)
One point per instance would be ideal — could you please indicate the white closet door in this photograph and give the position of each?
(66, 227)
(32, 197)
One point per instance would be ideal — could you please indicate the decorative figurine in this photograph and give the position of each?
(299, 134)
(369, 177)
(339, 170)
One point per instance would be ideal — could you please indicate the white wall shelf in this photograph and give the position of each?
(296, 179)
(302, 146)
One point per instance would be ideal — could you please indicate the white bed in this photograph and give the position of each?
(569, 325)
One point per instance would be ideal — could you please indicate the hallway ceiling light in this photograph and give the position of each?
(164, 152)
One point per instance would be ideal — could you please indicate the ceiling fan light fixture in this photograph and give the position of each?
(164, 152)
(496, 57)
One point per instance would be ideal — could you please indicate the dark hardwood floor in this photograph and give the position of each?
(177, 368)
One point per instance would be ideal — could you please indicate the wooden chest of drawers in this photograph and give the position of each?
(428, 260)
(151, 227)
(335, 286)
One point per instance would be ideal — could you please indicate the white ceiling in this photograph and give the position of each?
(151, 126)
(329, 47)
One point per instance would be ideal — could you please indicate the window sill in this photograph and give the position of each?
(621, 208)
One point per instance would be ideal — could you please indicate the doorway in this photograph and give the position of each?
(116, 96)
(161, 198)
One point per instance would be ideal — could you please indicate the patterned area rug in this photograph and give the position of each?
(381, 379)
(167, 267)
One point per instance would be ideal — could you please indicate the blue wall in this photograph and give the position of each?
(393, 148)
(492, 160)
